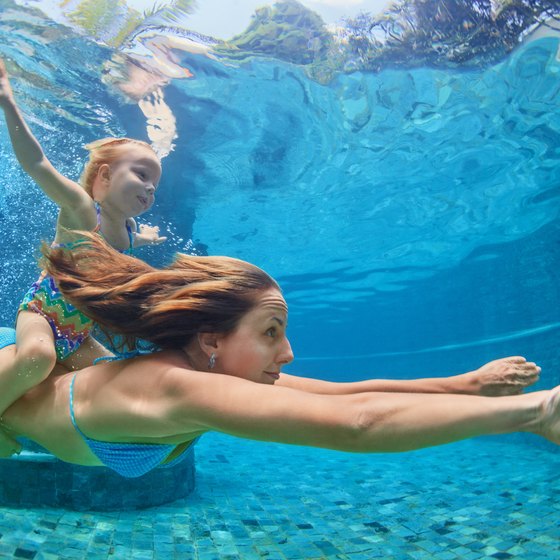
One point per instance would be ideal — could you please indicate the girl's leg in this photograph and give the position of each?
(86, 354)
(25, 365)
(33, 358)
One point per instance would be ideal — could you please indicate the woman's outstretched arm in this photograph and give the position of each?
(506, 376)
(365, 422)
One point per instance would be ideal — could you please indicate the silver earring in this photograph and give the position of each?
(212, 361)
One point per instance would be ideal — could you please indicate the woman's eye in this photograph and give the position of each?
(271, 332)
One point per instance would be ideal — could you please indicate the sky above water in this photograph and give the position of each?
(225, 18)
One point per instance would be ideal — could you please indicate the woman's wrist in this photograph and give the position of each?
(463, 384)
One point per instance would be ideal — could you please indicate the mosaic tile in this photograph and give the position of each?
(455, 502)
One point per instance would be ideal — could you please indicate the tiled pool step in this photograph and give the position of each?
(37, 479)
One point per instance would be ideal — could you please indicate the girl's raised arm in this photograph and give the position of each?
(60, 189)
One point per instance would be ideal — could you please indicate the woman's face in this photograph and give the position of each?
(258, 348)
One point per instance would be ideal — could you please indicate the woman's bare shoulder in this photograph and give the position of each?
(180, 399)
(168, 371)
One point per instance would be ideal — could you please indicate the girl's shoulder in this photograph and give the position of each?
(83, 217)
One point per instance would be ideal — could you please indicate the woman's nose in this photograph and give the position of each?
(285, 355)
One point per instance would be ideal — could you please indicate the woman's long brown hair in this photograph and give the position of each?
(166, 306)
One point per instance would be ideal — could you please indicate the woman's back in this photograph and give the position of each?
(121, 401)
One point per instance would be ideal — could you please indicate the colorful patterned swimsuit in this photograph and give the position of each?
(69, 325)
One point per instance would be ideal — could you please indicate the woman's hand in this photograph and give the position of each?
(506, 376)
(549, 423)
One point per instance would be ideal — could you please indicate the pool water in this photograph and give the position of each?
(411, 217)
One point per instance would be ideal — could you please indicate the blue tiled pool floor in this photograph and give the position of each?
(489, 498)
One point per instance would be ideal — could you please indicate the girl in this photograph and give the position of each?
(118, 182)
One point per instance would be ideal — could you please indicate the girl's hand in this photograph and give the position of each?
(148, 235)
(6, 95)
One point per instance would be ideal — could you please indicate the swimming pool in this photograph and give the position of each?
(410, 214)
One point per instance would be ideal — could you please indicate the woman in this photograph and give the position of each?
(221, 326)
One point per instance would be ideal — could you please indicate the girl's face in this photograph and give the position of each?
(258, 348)
(132, 181)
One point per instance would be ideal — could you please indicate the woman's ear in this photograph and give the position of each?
(208, 342)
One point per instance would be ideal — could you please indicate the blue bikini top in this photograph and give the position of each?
(130, 460)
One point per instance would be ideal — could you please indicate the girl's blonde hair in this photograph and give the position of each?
(166, 306)
(106, 150)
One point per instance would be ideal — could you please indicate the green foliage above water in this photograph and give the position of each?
(444, 33)
(286, 31)
(107, 20)
(114, 22)
(409, 33)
